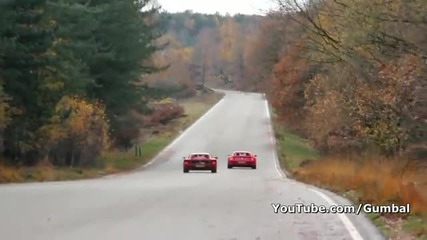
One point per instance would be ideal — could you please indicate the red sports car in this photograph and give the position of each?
(200, 161)
(242, 159)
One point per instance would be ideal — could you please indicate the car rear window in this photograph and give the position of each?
(242, 154)
(200, 156)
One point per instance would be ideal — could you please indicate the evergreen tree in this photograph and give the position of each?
(125, 37)
(25, 63)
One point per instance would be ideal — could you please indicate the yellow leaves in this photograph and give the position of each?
(178, 57)
(386, 134)
(379, 106)
(180, 54)
(49, 135)
(4, 110)
(58, 41)
(347, 27)
(52, 23)
(229, 33)
(54, 85)
(81, 122)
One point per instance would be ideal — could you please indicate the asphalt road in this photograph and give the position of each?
(161, 202)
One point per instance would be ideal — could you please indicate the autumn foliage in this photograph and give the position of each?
(203, 49)
(350, 76)
(76, 134)
(344, 80)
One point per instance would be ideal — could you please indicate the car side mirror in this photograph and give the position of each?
(183, 157)
(255, 155)
(216, 157)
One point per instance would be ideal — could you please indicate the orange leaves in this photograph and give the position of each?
(398, 76)
(347, 41)
(324, 112)
(287, 83)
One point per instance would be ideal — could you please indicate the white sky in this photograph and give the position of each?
(221, 6)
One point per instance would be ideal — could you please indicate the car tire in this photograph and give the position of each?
(253, 167)
(229, 167)
(213, 170)
(186, 170)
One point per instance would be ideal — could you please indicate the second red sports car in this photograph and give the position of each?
(242, 159)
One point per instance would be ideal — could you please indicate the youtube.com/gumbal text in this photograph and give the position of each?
(339, 209)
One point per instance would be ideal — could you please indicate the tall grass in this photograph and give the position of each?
(376, 179)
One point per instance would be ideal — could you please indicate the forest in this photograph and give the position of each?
(69, 72)
(72, 70)
(348, 77)
(78, 78)
(349, 82)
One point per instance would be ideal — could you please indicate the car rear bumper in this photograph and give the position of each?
(193, 167)
(242, 164)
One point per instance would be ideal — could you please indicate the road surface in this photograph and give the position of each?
(161, 202)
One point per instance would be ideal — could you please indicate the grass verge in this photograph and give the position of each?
(118, 161)
(292, 149)
(370, 180)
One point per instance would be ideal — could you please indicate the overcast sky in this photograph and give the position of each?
(221, 6)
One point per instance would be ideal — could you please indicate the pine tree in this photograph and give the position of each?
(24, 63)
(125, 35)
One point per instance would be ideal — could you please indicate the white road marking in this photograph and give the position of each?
(345, 220)
(273, 140)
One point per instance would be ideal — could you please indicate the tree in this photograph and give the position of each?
(126, 36)
(204, 56)
(357, 48)
(177, 59)
(26, 64)
(94, 51)
(76, 134)
(229, 43)
(261, 52)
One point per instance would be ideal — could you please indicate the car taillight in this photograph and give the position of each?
(186, 162)
(214, 162)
